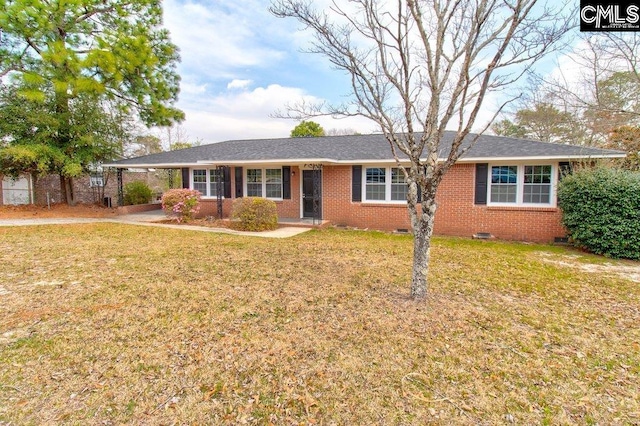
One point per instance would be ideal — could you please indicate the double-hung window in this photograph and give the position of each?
(214, 178)
(399, 187)
(206, 181)
(254, 182)
(384, 184)
(521, 185)
(504, 184)
(264, 183)
(375, 184)
(200, 181)
(537, 184)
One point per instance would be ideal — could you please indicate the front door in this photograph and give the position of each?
(312, 194)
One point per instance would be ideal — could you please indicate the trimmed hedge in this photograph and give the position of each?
(601, 211)
(137, 192)
(255, 214)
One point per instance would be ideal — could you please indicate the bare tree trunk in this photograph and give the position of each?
(422, 249)
(63, 190)
(68, 190)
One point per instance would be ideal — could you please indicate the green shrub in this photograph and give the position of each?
(181, 204)
(601, 211)
(255, 214)
(137, 192)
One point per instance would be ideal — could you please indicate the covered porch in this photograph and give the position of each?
(295, 188)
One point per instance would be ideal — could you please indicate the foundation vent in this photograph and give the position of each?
(482, 236)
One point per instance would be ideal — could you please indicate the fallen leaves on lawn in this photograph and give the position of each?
(114, 324)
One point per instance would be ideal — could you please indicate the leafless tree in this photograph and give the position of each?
(420, 66)
(597, 82)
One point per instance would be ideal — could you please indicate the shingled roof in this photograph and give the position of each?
(354, 149)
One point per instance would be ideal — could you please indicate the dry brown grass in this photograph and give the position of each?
(113, 324)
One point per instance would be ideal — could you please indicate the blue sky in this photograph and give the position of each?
(240, 64)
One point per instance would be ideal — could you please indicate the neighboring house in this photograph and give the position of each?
(505, 187)
(97, 188)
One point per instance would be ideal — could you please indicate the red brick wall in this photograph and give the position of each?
(456, 215)
(339, 209)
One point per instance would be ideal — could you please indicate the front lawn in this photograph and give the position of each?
(114, 324)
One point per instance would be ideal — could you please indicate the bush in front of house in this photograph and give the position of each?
(254, 214)
(181, 204)
(601, 211)
(137, 192)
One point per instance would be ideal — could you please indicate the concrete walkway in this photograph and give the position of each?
(148, 219)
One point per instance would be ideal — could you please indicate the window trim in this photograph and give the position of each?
(263, 182)
(520, 184)
(387, 185)
(207, 181)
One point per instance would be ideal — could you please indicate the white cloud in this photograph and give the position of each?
(249, 115)
(214, 38)
(239, 84)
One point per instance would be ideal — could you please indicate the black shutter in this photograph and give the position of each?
(185, 178)
(286, 182)
(482, 174)
(564, 169)
(239, 192)
(356, 183)
(226, 179)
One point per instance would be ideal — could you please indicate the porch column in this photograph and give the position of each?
(317, 182)
(170, 171)
(219, 189)
(120, 187)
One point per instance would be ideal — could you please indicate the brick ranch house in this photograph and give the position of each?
(503, 186)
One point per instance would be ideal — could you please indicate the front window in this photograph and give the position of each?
(526, 184)
(537, 184)
(214, 178)
(273, 183)
(398, 185)
(265, 183)
(254, 182)
(375, 184)
(384, 184)
(504, 184)
(206, 181)
(200, 181)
